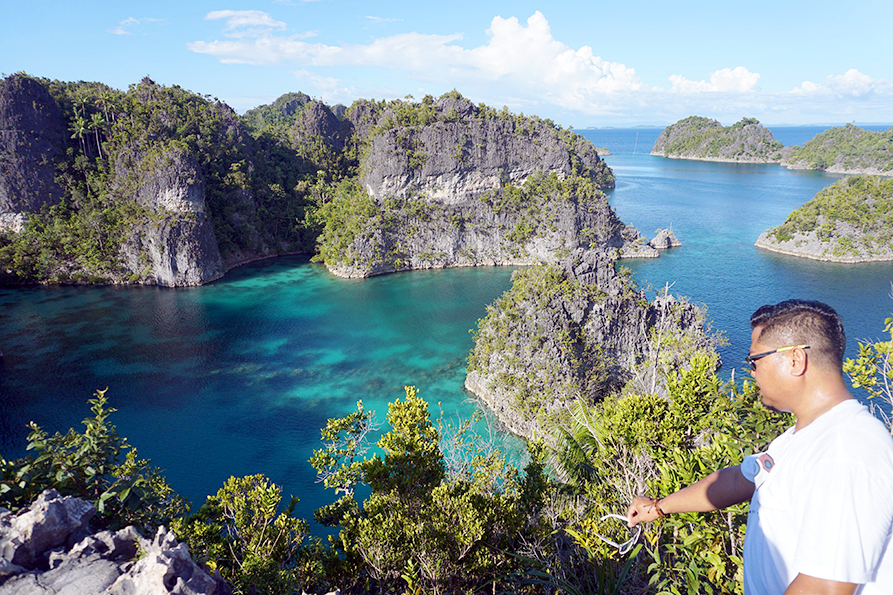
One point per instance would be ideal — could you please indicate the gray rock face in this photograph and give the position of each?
(664, 240)
(452, 162)
(46, 524)
(47, 550)
(32, 139)
(318, 122)
(176, 246)
(464, 187)
(574, 331)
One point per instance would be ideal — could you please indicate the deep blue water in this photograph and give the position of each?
(238, 377)
(717, 211)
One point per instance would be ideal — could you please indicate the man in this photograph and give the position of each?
(821, 509)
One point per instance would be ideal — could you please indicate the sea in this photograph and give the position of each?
(238, 377)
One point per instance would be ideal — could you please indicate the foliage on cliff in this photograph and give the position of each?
(578, 331)
(123, 144)
(845, 149)
(696, 137)
(850, 220)
(161, 185)
(450, 183)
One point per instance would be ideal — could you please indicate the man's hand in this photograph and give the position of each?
(641, 510)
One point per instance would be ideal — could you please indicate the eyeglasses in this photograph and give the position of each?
(752, 359)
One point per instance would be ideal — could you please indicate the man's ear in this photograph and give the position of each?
(799, 362)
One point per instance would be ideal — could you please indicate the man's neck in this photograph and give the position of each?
(819, 398)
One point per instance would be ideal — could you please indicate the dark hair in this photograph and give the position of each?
(803, 322)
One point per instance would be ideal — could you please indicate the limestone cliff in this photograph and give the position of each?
(850, 221)
(156, 185)
(33, 139)
(447, 183)
(576, 330)
(708, 140)
(175, 245)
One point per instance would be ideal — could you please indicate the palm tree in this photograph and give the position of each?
(81, 100)
(97, 124)
(79, 129)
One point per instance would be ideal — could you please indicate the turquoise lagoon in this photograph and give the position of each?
(238, 376)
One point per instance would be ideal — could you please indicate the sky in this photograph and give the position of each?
(582, 64)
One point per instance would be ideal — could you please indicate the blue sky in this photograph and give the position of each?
(581, 64)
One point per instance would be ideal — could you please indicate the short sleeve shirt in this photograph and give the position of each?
(823, 505)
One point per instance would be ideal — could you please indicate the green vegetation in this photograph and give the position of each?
(445, 513)
(284, 177)
(256, 187)
(640, 442)
(98, 466)
(853, 217)
(702, 138)
(872, 371)
(846, 149)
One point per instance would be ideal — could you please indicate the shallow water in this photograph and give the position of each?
(238, 377)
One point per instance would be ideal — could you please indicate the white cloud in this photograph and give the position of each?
(851, 84)
(246, 23)
(125, 26)
(522, 65)
(520, 59)
(727, 80)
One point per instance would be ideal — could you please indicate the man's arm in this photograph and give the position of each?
(720, 489)
(809, 585)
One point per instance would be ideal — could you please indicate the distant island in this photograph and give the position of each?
(842, 150)
(850, 221)
(845, 150)
(705, 139)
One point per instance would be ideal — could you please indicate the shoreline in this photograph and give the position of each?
(793, 167)
(717, 159)
(771, 247)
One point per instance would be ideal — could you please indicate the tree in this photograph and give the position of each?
(97, 124)
(78, 128)
(873, 372)
(90, 466)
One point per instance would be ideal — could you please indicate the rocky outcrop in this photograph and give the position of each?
(845, 150)
(810, 245)
(33, 139)
(664, 240)
(49, 549)
(174, 246)
(447, 183)
(318, 124)
(850, 221)
(462, 157)
(707, 140)
(576, 331)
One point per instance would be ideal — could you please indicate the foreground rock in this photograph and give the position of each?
(49, 549)
(848, 222)
(576, 331)
(705, 139)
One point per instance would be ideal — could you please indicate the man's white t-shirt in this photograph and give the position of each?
(823, 505)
